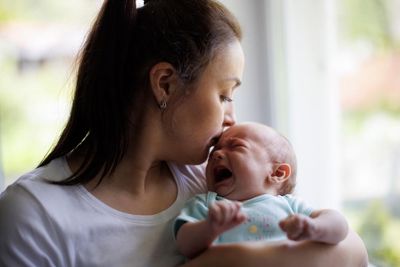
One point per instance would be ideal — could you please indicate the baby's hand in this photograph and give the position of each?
(299, 227)
(224, 215)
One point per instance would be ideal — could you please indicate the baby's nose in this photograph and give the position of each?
(217, 155)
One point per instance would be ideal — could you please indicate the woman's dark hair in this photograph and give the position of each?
(112, 80)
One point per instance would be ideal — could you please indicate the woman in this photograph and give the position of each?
(153, 94)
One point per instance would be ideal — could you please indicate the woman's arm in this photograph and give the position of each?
(348, 253)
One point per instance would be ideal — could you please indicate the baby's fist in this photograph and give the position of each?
(224, 215)
(298, 227)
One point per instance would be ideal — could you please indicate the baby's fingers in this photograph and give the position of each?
(215, 214)
(229, 211)
(224, 212)
(294, 226)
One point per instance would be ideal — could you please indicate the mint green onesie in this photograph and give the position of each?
(264, 213)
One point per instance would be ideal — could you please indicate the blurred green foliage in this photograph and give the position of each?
(354, 121)
(34, 101)
(32, 110)
(380, 231)
(71, 11)
(367, 20)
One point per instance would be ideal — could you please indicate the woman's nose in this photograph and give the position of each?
(229, 116)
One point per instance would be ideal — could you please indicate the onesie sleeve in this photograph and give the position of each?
(27, 236)
(195, 209)
(298, 205)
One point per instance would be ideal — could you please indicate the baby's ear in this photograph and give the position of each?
(281, 172)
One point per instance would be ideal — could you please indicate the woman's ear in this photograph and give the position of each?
(281, 172)
(163, 81)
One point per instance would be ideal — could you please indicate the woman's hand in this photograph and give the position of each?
(348, 253)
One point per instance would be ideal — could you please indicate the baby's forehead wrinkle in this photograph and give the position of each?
(228, 140)
(221, 143)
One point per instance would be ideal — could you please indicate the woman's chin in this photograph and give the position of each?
(196, 159)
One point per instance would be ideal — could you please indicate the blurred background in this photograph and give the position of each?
(325, 73)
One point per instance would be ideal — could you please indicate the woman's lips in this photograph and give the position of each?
(214, 140)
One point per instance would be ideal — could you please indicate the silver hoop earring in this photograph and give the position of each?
(163, 104)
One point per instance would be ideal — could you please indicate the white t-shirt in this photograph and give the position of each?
(43, 224)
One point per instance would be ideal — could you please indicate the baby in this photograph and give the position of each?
(250, 174)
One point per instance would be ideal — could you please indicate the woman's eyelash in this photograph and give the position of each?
(226, 99)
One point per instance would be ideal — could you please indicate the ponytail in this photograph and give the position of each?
(99, 94)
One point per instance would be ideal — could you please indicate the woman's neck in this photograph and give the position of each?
(140, 184)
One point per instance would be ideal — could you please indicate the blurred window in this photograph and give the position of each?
(369, 81)
(38, 44)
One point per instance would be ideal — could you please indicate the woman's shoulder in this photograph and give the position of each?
(56, 170)
(18, 204)
(28, 208)
(33, 195)
(37, 183)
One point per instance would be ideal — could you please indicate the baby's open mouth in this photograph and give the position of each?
(221, 174)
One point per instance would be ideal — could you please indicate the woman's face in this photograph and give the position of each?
(207, 108)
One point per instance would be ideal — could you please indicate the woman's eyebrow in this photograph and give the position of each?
(235, 79)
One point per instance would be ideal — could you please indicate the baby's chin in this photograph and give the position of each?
(226, 194)
(234, 196)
